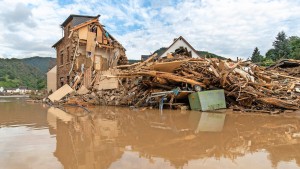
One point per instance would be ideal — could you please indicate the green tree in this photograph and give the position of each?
(271, 55)
(256, 57)
(41, 84)
(267, 62)
(281, 46)
(294, 43)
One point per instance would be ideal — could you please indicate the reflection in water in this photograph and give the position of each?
(204, 121)
(113, 137)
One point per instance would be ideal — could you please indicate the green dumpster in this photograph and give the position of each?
(207, 100)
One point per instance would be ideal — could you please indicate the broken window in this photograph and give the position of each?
(62, 57)
(93, 28)
(68, 79)
(88, 54)
(61, 81)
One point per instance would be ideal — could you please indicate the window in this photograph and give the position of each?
(62, 57)
(69, 28)
(61, 81)
(67, 31)
(68, 80)
(68, 54)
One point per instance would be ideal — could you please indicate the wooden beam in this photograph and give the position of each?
(279, 103)
(165, 75)
(99, 37)
(127, 66)
(146, 61)
(106, 46)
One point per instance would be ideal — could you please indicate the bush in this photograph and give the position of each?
(267, 62)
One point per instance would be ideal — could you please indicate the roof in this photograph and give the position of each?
(180, 38)
(11, 88)
(79, 19)
(144, 57)
(23, 87)
(285, 63)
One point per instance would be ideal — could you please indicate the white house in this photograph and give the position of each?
(52, 80)
(180, 42)
(24, 90)
(12, 90)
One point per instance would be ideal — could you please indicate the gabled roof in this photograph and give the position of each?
(80, 19)
(180, 38)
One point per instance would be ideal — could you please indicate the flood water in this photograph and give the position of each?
(37, 136)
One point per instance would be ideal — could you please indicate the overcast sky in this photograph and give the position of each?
(230, 28)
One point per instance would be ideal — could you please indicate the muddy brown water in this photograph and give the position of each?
(38, 136)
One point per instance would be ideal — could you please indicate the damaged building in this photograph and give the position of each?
(180, 45)
(85, 50)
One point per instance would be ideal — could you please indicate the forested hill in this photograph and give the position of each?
(30, 72)
(41, 63)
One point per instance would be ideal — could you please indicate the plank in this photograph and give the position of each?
(167, 66)
(60, 93)
(91, 44)
(99, 37)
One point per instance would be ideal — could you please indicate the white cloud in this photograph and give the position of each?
(230, 28)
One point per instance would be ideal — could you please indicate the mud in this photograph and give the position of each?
(36, 136)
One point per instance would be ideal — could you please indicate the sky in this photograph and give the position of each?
(230, 28)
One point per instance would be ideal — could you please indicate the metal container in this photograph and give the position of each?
(207, 100)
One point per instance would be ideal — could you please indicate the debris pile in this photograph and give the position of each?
(158, 82)
(289, 66)
(247, 86)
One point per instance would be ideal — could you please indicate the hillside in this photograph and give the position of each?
(41, 63)
(209, 55)
(28, 72)
(131, 61)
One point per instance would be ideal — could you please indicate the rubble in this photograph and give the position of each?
(247, 87)
(290, 67)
